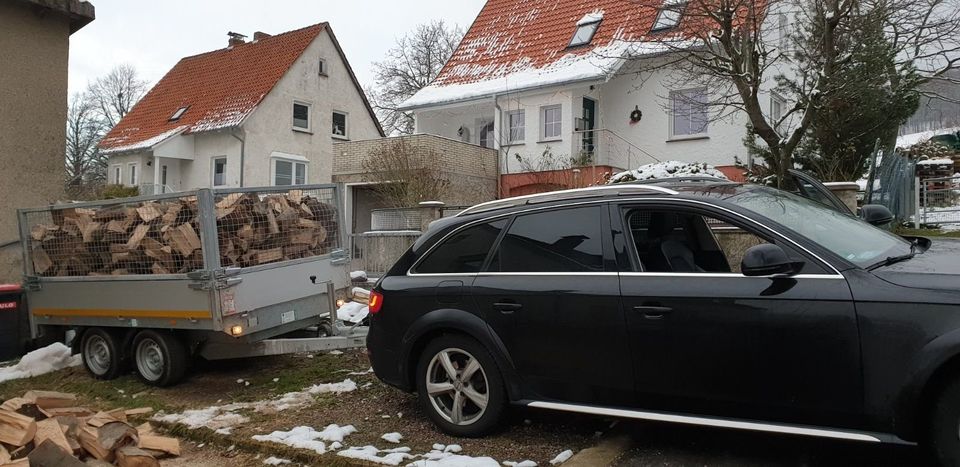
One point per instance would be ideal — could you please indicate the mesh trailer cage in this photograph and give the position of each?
(181, 232)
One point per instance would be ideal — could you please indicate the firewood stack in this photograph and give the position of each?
(46, 429)
(163, 237)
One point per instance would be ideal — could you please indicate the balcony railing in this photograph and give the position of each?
(154, 189)
(606, 147)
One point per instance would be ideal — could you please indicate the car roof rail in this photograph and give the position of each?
(589, 192)
(687, 179)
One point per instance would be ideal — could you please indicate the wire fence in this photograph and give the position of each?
(165, 234)
(940, 200)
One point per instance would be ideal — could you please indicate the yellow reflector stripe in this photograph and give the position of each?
(87, 313)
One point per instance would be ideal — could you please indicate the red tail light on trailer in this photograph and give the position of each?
(376, 302)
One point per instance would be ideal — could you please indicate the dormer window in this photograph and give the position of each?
(586, 28)
(179, 113)
(669, 16)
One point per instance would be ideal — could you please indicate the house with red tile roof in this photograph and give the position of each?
(547, 82)
(257, 113)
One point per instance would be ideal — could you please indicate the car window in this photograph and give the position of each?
(566, 240)
(685, 242)
(464, 252)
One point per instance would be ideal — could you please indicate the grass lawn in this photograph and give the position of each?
(928, 232)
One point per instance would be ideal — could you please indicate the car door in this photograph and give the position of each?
(809, 187)
(552, 295)
(709, 340)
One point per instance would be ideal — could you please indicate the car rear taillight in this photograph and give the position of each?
(376, 302)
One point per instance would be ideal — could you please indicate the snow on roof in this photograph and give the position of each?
(913, 139)
(522, 44)
(935, 162)
(592, 17)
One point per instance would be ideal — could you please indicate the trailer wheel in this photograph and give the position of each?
(101, 354)
(160, 357)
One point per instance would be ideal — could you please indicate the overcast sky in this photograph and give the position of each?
(153, 35)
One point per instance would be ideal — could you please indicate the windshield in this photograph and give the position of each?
(849, 237)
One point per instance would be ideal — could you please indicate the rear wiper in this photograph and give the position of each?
(896, 259)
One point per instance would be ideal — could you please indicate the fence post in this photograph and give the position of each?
(920, 211)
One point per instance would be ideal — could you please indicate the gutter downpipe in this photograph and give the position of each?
(498, 116)
(243, 147)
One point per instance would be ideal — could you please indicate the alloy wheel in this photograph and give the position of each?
(457, 386)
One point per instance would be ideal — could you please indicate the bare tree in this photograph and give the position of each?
(403, 174)
(85, 165)
(115, 93)
(740, 51)
(409, 66)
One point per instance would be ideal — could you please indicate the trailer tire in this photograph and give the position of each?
(160, 357)
(101, 354)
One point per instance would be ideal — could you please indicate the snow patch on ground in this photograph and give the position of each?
(372, 454)
(305, 437)
(526, 463)
(449, 457)
(223, 417)
(275, 461)
(51, 358)
(392, 437)
(668, 169)
(562, 457)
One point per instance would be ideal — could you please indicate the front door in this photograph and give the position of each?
(589, 124)
(707, 340)
(549, 294)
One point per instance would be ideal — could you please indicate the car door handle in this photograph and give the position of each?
(653, 312)
(507, 307)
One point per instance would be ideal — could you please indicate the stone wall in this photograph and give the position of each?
(471, 169)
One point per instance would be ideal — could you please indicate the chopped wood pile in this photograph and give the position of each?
(164, 237)
(46, 429)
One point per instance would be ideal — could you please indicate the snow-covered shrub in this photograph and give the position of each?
(668, 169)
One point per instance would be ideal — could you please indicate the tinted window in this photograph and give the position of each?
(463, 252)
(555, 241)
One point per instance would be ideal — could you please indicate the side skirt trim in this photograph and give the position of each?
(719, 422)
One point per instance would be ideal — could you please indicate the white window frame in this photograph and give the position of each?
(322, 67)
(673, 8)
(117, 174)
(672, 114)
(776, 99)
(482, 123)
(516, 134)
(293, 120)
(179, 113)
(543, 123)
(294, 161)
(346, 124)
(213, 170)
(133, 168)
(585, 33)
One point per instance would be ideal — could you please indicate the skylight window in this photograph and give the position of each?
(670, 14)
(179, 113)
(586, 28)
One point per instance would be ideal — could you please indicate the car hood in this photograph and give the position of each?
(936, 268)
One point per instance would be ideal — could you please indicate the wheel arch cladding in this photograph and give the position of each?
(453, 321)
(936, 365)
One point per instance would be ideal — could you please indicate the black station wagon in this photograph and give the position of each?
(696, 301)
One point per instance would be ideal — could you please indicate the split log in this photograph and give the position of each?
(101, 442)
(4, 455)
(16, 429)
(51, 399)
(131, 456)
(49, 430)
(163, 444)
(67, 411)
(138, 411)
(14, 404)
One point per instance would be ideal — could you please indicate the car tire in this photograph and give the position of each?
(481, 395)
(102, 354)
(160, 358)
(943, 438)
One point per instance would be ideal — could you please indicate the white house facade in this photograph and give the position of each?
(576, 82)
(259, 113)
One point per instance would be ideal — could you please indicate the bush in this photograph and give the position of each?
(119, 191)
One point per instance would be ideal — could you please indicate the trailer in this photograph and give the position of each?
(154, 281)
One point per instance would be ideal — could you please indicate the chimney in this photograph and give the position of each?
(236, 39)
(260, 35)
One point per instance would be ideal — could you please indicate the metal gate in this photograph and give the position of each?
(940, 200)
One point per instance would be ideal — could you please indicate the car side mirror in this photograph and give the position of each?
(767, 260)
(876, 214)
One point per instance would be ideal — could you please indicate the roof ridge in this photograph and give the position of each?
(322, 25)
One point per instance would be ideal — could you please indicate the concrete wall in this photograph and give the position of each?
(471, 170)
(33, 111)
(270, 128)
